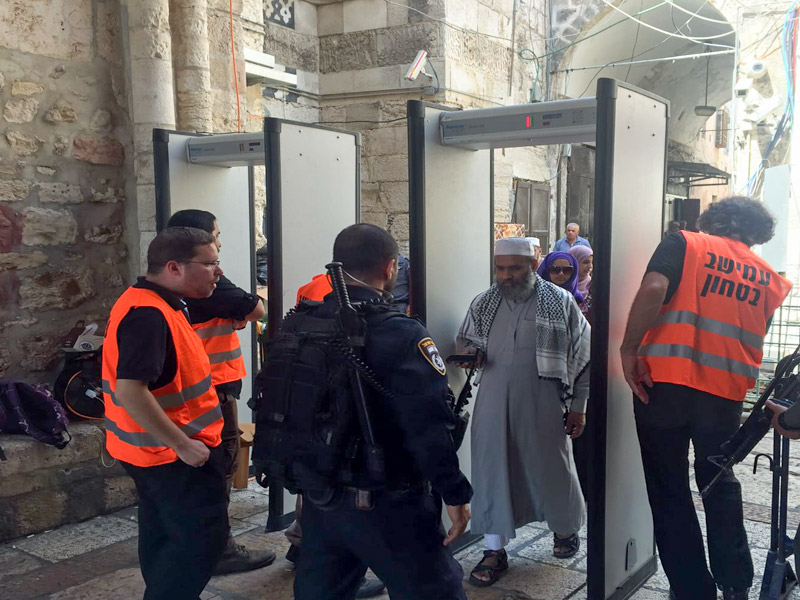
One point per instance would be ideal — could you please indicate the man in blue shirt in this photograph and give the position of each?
(571, 239)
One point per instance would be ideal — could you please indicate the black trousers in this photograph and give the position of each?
(675, 415)
(183, 525)
(400, 539)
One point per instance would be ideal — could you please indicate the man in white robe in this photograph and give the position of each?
(535, 346)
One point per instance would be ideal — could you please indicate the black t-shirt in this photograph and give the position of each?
(668, 260)
(227, 302)
(146, 348)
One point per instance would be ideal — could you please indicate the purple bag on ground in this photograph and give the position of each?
(32, 410)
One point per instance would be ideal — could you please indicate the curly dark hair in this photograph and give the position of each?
(738, 216)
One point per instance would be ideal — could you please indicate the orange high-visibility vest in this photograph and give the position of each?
(189, 400)
(221, 343)
(316, 289)
(710, 335)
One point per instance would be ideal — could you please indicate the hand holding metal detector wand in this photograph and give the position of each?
(354, 329)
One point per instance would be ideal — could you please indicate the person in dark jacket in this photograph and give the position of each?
(395, 527)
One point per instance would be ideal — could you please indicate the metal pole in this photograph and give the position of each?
(734, 105)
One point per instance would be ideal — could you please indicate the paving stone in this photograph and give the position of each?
(540, 549)
(239, 527)
(95, 572)
(258, 518)
(758, 534)
(129, 514)
(649, 594)
(40, 582)
(539, 580)
(252, 486)
(245, 503)
(658, 581)
(15, 562)
(277, 578)
(125, 583)
(79, 538)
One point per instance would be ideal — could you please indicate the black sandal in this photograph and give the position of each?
(568, 545)
(494, 571)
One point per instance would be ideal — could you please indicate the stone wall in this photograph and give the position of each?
(65, 148)
(44, 487)
(365, 48)
(484, 69)
(296, 49)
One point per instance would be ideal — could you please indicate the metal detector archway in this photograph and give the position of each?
(313, 192)
(451, 218)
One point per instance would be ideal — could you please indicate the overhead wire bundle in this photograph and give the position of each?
(789, 52)
(527, 54)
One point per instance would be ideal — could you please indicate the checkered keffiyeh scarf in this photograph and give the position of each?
(562, 333)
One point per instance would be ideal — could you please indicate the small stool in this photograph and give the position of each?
(247, 431)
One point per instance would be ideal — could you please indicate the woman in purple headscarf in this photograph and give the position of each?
(561, 269)
(585, 258)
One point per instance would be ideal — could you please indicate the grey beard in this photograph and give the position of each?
(518, 292)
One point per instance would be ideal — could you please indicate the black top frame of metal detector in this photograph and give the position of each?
(631, 140)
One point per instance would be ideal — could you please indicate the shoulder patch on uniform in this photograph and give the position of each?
(428, 349)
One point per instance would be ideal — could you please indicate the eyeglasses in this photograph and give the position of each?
(565, 270)
(209, 263)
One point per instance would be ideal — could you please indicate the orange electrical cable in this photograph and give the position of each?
(235, 74)
(771, 52)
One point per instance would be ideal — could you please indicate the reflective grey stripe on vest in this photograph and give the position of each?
(209, 332)
(148, 440)
(170, 400)
(107, 390)
(221, 357)
(185, 395)
(701, 358)
(713, 326)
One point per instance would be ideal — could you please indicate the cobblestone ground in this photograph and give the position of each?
(96, 559)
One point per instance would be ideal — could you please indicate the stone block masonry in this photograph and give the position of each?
(44, 487)
(65, 174)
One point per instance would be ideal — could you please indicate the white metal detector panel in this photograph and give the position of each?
(318, 172)
(451, 239)
(631, 156)
(225, 192)
(313, 192)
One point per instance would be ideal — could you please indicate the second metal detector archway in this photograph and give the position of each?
(313, 192)
(451, 224)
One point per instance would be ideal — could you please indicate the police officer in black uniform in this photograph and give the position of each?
(394, 528)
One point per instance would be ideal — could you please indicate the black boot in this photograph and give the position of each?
(734, 593)
(238, 559)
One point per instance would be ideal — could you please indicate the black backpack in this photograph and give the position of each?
(307, 432)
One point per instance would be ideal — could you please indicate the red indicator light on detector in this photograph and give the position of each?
(527, 122)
